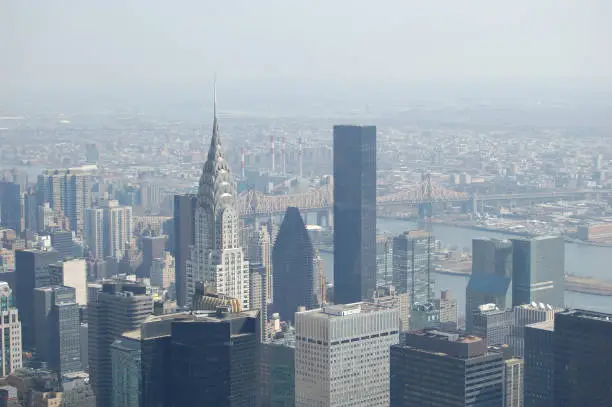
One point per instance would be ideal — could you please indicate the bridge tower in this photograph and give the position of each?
(426, 207)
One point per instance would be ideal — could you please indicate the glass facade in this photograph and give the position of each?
(412, 265)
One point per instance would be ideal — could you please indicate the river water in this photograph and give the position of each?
(582, 260)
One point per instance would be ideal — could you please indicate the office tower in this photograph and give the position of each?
(539, 364)
(10, 206)
(71, 273)
(492, 324)
(539, 270)
(77, 391)
(257, 294)
(524, 315)
(126, 370)
(153, 247)
(354, 213)
(68, 192)
(513, 382)
(384, 260)
(32, 271)
(61, 241)
(583, 360)
(278, 369)
(292, 261)
(216, 256)
(56, 315)
(92, 154)
(445, 368)
(388, 297)
(491, 279)
(117, 228)
(118, 308)
(94, 232)
(413, 253)
(215, 359)
(184, 221)
(10, 353)
(30, 211)
(163, 271)
(448, 310)
(342, 355)
(424, 315)
(260, 251)
(83, 343)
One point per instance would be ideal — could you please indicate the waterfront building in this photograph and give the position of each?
(354, 213)
(413, 253)
(342, 355)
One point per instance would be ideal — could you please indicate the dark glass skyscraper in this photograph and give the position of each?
(583, 360)
(184, 220)
(538, 270)
(539, 364)
(413, 265)
(292, 261)
(354, 213)
(10, 205)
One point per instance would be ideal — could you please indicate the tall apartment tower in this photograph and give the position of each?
(539, 364)
(215, 359)
(118, 228)
(184, 223)
(342, 355)
(10, 353)
(491, 279)
(94, 232)
(68, 192)
(260, 251)
(583, 361)
(445, 368)
(118, 308)
(56, 315)
(354, 213)
(71, 273)
(292, 260)
(539, 270)
(258, 294)
(216, 256)
(32, 271)
(413, 253)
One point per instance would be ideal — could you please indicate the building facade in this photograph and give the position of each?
(539, 364)
(126, 372)
(11, 351)
(354, 213)
(71, 273)
(184, 222)
(412, 265)
(342, 355)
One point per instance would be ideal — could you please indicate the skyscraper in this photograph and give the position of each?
(445, 368)
(342, 355)
(94, 232)
(413, 253)
(354, 213)
(539, 270)
(118, 228)
(539, 364)
(583, 361)
(184, 221)
(61, 240)
(118, 308)
(152, 248)
(492, 324)
(32, 271)
(216, 256)
(215, 360)
(71, 273)
(10, 353)
(514, 382)
(126, 370)
(10, 206)
(491, 279)
(260, 251)
(292, 260)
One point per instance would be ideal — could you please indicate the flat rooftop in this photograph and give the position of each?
(544, 325)
(586, 314)
(341, 310)
(458, 337)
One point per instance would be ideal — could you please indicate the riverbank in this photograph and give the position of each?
(584, 285)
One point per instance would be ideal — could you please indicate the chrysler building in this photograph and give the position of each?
(217, 259)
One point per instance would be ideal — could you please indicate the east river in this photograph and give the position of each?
(581, 260)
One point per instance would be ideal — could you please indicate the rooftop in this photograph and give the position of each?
(586, 314)
(544, 325)
(449, 336)
(340, 310)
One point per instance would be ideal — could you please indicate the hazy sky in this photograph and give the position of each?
(160, 42)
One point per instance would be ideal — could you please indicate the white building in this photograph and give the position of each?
(94, 232)
(10, 353)
(117, 228)
(163, 271)
(342, 355)
(216, 256)
(71, 273)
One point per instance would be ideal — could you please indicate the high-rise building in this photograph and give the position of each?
(10, 206)
(513, 382)
(117, 228)
(492, 324)
(30, 211)
(583, 361)
(10, 353)
(118, 308)
(184, 222)
(354, 213)
(153, 247)
(413, 253)
(68, 192)
(216, 256)
(448, 310)
(126, 370)
(384, 260)
(491, 279)
(445, 368)
(388, 297)
(215, 359)
(278, 369)
(257, 294)
(71, 273)
(56, 315)
(539, 270)
(523, 315)
(292, 260)
(92, 154)
(163, 271)
(342, 355)
(32, 271)
(94, 232)
(77, 391)
(539, 364)
(61, 241)
(260, 251)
